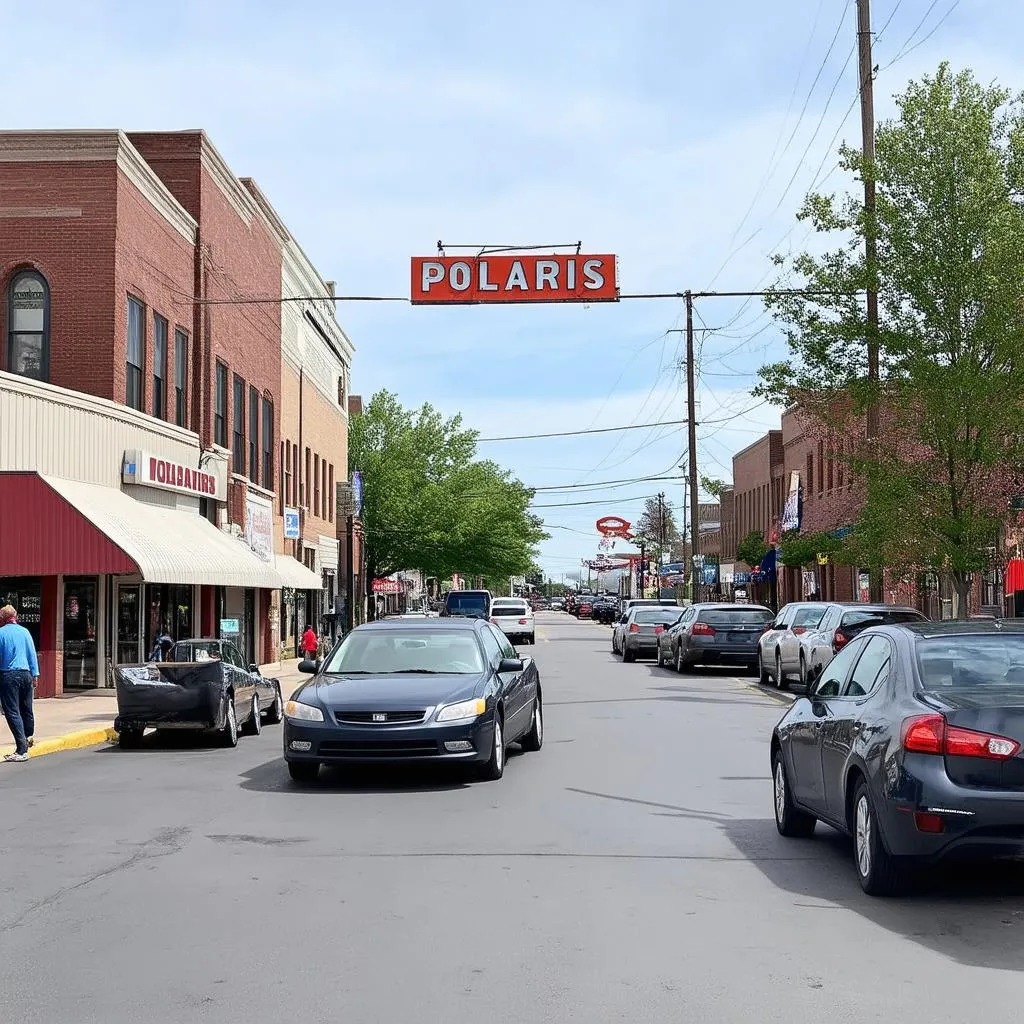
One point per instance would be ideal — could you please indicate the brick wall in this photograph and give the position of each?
(757, 487)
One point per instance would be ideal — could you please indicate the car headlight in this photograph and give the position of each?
(462, 711)
(302, 712)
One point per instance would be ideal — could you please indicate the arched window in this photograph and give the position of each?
(28, 325)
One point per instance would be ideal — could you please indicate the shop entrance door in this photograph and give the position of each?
(80, 633)
(249, 635)
(128, 625)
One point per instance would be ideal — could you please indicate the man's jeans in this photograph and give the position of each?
(16, 700)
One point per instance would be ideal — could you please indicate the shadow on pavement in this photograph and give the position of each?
(970, 912)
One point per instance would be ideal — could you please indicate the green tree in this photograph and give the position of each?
(429, 505)
(936, 481)
(797, 550)
(656, 528)
(752, 549)
(713, 486)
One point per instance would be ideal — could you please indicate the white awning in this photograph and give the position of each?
(168, 545)
(295, 575)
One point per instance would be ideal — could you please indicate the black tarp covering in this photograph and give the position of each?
(171, 693)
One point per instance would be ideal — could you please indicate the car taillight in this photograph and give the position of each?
(798, 630)
(659, 629)
(839, 640)
(523, 622)
(494, 622)
(702, 629)
(634, 628)
(932, 734)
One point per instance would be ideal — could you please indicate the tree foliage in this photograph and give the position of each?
(937, 479)
(429, 505)
(797, 550)
(656, 528)
(752, 548)
(714, 487)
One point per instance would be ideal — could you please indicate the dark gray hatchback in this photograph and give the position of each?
(715, 634)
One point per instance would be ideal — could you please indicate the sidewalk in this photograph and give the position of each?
(87, 719)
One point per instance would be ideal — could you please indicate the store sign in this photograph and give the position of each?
(387, 587)
(146, 470)
(614, 526)
(357, 493)
(292, 529)
(229, 627)
(259, 527)
(521, 278)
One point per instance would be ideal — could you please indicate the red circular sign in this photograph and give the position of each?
(613, 526)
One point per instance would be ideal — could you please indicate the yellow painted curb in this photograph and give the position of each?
(73, 741)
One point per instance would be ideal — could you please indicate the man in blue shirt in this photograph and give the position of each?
(19, 669)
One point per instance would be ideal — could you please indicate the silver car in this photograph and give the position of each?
(642, 627)
(780, 651)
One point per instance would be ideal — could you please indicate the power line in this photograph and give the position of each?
(606, 483)
(611, 501)
(577, 433)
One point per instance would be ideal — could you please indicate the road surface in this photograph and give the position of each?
(630, 871)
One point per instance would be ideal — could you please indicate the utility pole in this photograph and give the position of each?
(643, 568)
(691, 434)
(867, 125)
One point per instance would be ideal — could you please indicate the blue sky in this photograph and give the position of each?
(680, 136)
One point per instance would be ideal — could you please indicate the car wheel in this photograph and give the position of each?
(789, 819)
(780, 678)
(494, 767)
(229, 734)
(254, 726)
(879, 873)
(628, 655)
(680, 664)
(762, 673)
(804, 678)
(534, 738)
(276, 710)
(304, 771)
(129, 739)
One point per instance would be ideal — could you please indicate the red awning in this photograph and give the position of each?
(42, 534)
(1014, 576)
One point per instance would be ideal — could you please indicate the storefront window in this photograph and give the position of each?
(128, 625)
(169, 612)
(25, 595)
(80, 634)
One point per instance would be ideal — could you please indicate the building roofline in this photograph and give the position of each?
(753, 444)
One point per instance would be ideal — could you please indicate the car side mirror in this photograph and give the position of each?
(254, 669)
(623, 619)
(511, 665)
(307, 666)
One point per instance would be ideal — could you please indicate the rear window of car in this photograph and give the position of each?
(853, 622)
(809, 617)
(649, 616)
(973, 663)
(508, 608)
(468, 602)
(734, 616)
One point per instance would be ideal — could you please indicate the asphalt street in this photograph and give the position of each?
(630, 870)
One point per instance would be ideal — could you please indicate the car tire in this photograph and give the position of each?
(276, 710)
(879, 873)
(494, 767)
(661, 657)
(229, 733)
(254, 725)
(805, 679)
(628, 655)
(130, 739)
(304, 771)
(681, 665)
(780, 676)
(533, 740)
(789, 819)
(763, 676)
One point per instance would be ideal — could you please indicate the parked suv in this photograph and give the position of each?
(473, 604)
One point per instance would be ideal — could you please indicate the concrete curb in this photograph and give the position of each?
(73, 741)
(782, 696)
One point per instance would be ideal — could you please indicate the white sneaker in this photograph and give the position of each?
(16, 757)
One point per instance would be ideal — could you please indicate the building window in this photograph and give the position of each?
(284, 476)
(286, 470)
(316, 486)
(330, 493)
(180, 377)
(159, 367)
(254, 435)
(810, 473)
(220, 407)
(134, 396)
(306, 481)
(268, 445)
(296, 476)
(238, 426)
(28, 325)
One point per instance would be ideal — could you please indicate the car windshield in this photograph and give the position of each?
(648, 616)
(735, 616)
(960, 662)
(853, 622)
(381, 652)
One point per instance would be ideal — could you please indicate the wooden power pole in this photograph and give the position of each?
(691, 435)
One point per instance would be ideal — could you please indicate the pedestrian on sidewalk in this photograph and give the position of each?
(310, 645)
(19, 670)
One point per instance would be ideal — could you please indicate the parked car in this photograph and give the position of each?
(641, 629)
(441, 690)
(604, 610)
(557, 604)
(514, 617)
(474, 604)
(806, 654)
(911, 742)
(204, 684)
(714, 634)
(584, 607)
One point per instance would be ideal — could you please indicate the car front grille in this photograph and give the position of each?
(378, 748)
(345, 717)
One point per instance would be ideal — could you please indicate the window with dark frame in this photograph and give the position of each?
(323, 488)
(330, 493)
(180, 377)
(238, 426)
(28, 325)
(134, 390)
(284, 477)
(286, 469)
(268, 444)
(306, 481)
(296, 476)
(220, 407)
(316, 486)
(254, 435)
(159, 367)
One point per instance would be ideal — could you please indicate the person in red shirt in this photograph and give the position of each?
(310, 644)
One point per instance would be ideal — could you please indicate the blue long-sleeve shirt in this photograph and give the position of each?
(17, 651)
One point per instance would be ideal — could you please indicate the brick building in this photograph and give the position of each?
(107, 239)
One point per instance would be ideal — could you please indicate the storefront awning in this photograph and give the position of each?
(167, 545)
(295, 575)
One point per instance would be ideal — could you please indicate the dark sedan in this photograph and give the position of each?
(714, 634)
(401, 690)
(910, 741)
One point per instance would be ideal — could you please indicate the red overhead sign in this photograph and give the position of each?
(523, 278)
(387, 587)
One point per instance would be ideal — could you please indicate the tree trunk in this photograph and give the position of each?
(962, 586)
